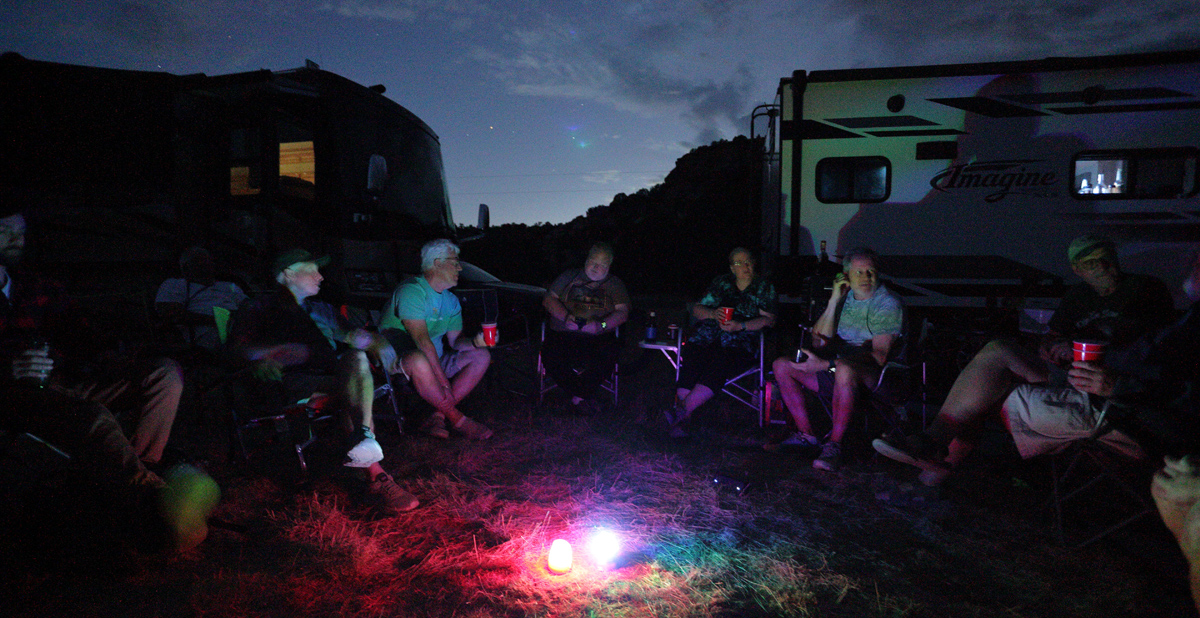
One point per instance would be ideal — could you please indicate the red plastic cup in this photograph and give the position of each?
(489, 335)
(1090, 351)
(726, 313)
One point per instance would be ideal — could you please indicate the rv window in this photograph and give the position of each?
(245, 161)
(1160, 173)
(853, 179)
(297, 159)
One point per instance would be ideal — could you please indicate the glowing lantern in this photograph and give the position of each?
(559, 560)
(604, 546)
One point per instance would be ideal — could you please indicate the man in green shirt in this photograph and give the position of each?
(423, 320)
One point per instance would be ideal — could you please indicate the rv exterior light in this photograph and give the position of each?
(895, 103)
(559, 560)
(604, 546)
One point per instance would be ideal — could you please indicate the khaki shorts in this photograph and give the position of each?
(450, 362)
(1045, 419)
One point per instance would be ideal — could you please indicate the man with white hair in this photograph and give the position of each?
(423, 321)
(288, 336)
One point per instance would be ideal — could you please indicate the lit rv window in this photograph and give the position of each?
(1158, 173)
(853, 179)
(297, 158)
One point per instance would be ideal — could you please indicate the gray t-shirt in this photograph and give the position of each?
(862, 320)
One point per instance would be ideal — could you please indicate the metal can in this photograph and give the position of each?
(800, 356)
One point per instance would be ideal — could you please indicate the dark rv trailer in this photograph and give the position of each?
(973, 178)
(129, 167)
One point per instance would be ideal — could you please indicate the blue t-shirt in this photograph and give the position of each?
(414, 299)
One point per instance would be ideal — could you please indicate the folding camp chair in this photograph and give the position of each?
(292, 422)
(546, 384)
(1089, 463)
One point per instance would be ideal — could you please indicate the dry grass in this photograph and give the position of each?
(795, 543)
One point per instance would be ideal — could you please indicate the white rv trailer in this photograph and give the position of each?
(971, 179)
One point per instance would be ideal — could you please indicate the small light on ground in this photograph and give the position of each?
(604, 546)
(559, 560)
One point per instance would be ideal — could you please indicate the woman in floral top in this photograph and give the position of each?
(720, 349)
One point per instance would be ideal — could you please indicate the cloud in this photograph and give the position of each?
(459, 14)
(603, 177)
(653, 59)
(389, 11)
(940, 31)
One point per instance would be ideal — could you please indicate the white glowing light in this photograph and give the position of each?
(559, 560)
(604, 546)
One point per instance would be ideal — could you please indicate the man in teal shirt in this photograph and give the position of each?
(423, 320)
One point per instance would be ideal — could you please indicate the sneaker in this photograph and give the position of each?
(185, 504)
(798, 440)
(391, 497)
(366, 450)
(472, 429)
(933, 478)
(672, 415)
(435, 426)
(916, 450)
(830, 458)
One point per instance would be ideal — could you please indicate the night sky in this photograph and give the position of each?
(547, 108)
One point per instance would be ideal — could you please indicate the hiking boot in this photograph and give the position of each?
(798, 440)
(391, 498)
(435, 426)
(472, 429)
(366, 450)
(830, 458)
(185, 504)
(677, 432)
(915, 450)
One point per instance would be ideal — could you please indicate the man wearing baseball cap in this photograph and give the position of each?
(1030, 389)
(306, 344)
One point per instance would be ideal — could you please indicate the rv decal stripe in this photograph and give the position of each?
(875, 122)
(988, 107)
(1131, 107)
(811, 129)
(914, 132)
(1082, 96)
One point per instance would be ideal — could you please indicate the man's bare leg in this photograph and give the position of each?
(980, 389)
(848, 379)
(357, 390)
(791, 381)
(473, 365)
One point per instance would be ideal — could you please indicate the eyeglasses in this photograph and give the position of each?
(740, 264)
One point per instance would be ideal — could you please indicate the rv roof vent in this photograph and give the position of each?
(1093, 94)
(895, 103)
(380, 88)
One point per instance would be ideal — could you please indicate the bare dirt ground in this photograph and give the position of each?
(771, 537)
